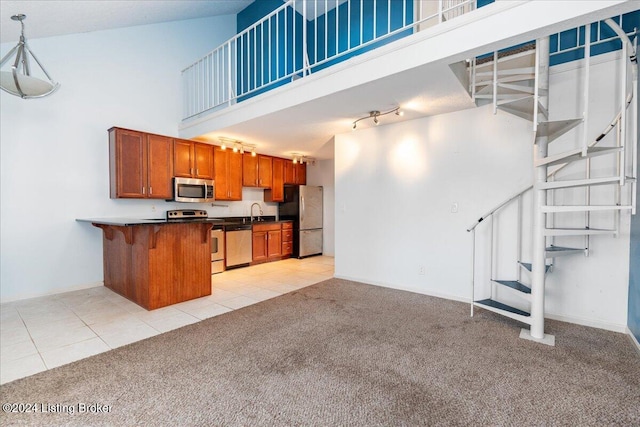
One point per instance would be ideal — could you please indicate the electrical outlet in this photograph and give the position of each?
(454, 207)
(153, 208)
(422, 270)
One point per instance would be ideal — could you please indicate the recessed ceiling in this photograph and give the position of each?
(59, 17)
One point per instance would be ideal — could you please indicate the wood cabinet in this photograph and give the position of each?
(295, 173)
(287, 238)
(227, 174)
(276, 192)
(140, 165)
(256, 171)
(192, 159)
(267, 242)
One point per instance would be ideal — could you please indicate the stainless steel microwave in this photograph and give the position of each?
(193, 190)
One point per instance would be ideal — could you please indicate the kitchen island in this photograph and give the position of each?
(156, 262)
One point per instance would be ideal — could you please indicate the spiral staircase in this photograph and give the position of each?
(516, 81)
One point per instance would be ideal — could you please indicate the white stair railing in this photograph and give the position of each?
(297, 38)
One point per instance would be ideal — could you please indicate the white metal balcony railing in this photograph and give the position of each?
(285, 45)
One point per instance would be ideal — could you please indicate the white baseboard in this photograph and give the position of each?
(569, 319)
(407, 288)
(45, 294)
(634, 340)
(614, 327)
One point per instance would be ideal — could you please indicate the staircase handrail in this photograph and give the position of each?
(600, 137)
(498, 207)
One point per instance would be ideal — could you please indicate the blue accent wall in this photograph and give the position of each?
(260, 47)
(322, 41)
(255, 12)
(253, 45)
(575, 37)
(633, 312)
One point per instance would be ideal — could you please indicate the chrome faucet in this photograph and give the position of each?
(260, 210)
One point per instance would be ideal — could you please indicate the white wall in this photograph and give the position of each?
(54, 151)
(322, 173)
(395, 187)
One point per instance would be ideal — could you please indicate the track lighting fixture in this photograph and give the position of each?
(237, 146)
(375, 114)
(301, 158)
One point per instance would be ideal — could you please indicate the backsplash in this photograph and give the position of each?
(241, 208)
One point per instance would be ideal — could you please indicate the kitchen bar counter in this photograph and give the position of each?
(126, 222)
(156, 262)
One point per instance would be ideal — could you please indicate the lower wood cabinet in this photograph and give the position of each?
(287, 239)
(157, 265)
(267, 242)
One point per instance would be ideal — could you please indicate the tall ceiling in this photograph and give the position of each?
(47, 18)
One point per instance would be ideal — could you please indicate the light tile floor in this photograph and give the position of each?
(43, 333)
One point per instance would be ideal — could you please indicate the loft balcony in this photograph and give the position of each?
(308, 69)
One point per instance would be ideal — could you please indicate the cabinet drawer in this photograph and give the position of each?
(287, 235)
(266, 227)
(287, 225)
(287, 248)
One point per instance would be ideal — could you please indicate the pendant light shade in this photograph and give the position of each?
(18, 81)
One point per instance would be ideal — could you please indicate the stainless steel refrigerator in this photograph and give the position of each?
(303, 205)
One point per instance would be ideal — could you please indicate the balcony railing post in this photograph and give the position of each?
(305, 61)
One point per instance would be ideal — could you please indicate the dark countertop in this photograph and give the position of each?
(126, 222)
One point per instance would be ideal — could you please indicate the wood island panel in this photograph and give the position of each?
(158, 265)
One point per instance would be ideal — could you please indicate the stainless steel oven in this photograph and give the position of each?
(217, 251)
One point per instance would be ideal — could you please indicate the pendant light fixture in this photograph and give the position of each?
(19, 81)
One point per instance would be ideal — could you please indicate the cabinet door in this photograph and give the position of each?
(276, 193)
(203, 165)
(221, 161)
(259, 246)
(264, 171)
(159, 167)
(301, 174)
(182, 158)
(249, 170)
(274, 241)
(227, 174)
(128, 163)
(289, 172)
(234, 177)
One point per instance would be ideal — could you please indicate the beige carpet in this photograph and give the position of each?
(344, 353)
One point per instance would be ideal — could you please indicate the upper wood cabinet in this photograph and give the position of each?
(228, 174)
(192, 159)
(140, 165)
(295, 173)
(256, 171)
(276, 192)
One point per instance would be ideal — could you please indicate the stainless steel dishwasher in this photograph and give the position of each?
(239, 246)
